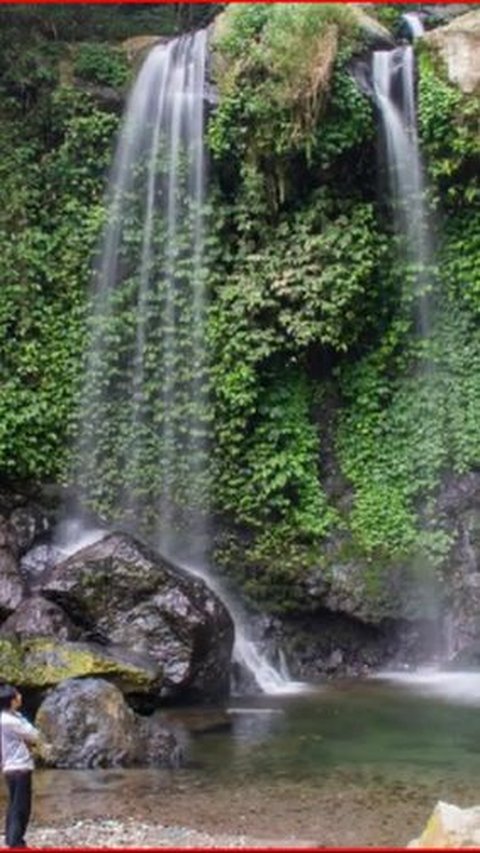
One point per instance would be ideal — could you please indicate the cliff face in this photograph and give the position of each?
(344, 473)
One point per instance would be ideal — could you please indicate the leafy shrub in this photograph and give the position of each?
(100, 63)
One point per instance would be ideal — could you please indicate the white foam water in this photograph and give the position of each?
(72, 536)
(461, 687)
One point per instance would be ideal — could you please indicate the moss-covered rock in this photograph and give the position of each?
(11, 661)
(42, 662)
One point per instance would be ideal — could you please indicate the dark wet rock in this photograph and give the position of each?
(8, 538)
(88, 724)
(458, 512)
(9, 499)
(329, 644)
(28, 523)
(467, 658)
(11, 584)
(37, 561)
(243, 681)
(37, 617)
(161, 743)
(458, 494)
(130, 596)
(106, 97)
(365, 589)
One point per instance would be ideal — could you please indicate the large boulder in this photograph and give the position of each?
(126, 594)
(87, 723)
(38, 560)
(450, 827)
(458, 44)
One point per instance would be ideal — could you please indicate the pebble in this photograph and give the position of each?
(113, 833)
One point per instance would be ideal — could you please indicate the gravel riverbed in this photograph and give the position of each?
(130, 833)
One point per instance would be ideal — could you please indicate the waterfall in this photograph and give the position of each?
(266, 678)
(393, 77)
(143, 444)
(143, 441)
(414, 24)
(393, 74)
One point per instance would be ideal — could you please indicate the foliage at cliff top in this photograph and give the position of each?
(278, 58)
(399, 422)
(292, 43)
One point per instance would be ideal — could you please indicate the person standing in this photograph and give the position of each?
(17, 735)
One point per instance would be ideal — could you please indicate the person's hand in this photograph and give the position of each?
(44, 751)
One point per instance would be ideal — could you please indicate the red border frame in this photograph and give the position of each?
(203, 2)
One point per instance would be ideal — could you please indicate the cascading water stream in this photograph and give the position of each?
(246, 654)
(393, 74)
(414, 24)
(143, 446)
(144, 407)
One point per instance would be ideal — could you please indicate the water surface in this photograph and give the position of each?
(349, 763)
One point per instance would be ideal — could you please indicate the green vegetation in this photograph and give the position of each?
(51, 200)
(100, 63)
(448, 122)
(408, 407)
(88, 22)
(274, 67)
